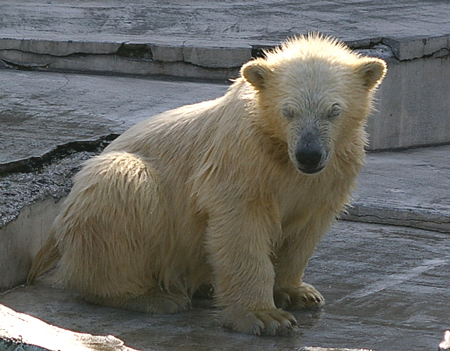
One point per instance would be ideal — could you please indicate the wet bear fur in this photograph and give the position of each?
(234, 192)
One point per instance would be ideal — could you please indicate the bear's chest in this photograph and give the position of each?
(324, 193)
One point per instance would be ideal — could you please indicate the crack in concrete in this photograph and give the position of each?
(35, 163)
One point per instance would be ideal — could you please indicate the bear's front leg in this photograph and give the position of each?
(238, 243)
(290, 291)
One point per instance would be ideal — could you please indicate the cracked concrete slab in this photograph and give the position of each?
(41, 111)
(386, 288)
(203, 38)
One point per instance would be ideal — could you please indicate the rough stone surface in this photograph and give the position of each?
(206, 35)
(225, 56)
(25, 333)
(408, 188)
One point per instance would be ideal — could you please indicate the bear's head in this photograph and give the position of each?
(314, 94)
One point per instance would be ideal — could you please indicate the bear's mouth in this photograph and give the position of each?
(310, 170)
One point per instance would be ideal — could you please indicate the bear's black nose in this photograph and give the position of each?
(309, 158)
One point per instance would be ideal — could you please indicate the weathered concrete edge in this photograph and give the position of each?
(181, 58)
(406, 217)
(419, 47)
(186, 59)
(19, 331)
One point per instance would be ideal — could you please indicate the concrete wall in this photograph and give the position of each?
(22, 238)
(413, 105)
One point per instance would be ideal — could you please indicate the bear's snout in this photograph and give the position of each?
(310, 156)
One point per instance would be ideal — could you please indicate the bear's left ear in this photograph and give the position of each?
(372, 70)
(256, 73)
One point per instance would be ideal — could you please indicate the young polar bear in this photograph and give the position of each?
(234, 192)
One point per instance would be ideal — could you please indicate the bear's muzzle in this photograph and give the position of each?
(310, 156)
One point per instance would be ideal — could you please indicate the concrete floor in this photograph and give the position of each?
(386, 288)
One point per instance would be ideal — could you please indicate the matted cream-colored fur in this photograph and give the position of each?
(235, 192)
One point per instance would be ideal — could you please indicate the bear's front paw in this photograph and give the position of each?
(261, 322)
(296, 298)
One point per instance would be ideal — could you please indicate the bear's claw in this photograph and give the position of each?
(304, 296)
(269, 322)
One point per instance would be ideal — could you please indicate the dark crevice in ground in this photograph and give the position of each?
(33, 164)
(28, 181)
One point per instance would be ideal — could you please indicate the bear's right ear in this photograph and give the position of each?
(372, 70)
(256, 72)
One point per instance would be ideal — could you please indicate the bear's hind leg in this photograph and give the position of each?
(107, 234)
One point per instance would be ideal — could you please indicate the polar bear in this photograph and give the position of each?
(233, 193)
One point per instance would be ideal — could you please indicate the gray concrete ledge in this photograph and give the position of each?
(204, 39)
(210, 24)
(192, 59)
(143, 59)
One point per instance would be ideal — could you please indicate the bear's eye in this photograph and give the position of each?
(335, 111)
(288, 112)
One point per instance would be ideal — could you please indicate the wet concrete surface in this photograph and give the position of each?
(386, 288)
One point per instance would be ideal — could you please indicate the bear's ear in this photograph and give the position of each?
(256, 73)
(372, 71)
